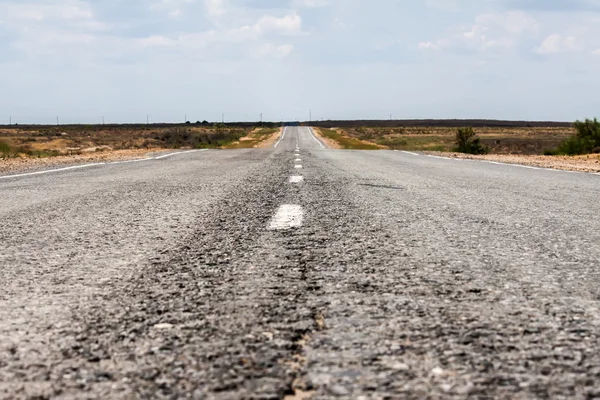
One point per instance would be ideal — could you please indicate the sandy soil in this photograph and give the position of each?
(12, 165)
(587, 163)
(270, 142)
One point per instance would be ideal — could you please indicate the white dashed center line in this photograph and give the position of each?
(298, 167)
(298, 159)
(288, 216)
(296, 179)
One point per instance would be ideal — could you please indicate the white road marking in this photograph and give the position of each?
(524, 166)
(296, 179)
(130, 161)
(441, 158)
(281, 138)
(288, 216)
(410, 152)
(315, 138)
(298, 160)
(298, 166)
(176, 154)
(48, 171)
(51, 170)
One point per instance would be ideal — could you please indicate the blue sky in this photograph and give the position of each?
(344, 59)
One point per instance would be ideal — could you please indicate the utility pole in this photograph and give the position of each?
(10, 120)
(185, 119)
(57, 121)
(261, 118)
(223, 118)
(102, 120)
(310, 116)
(147, 119)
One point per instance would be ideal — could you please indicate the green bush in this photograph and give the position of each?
(585, 141)
(468, 142)
(182, 137)
(5, 150)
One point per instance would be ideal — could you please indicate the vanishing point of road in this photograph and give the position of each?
(300, 272)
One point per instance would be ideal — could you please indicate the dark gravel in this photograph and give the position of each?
(412, 277)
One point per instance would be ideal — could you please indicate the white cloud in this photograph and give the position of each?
(289, 25)
(597, 52)
(428, 46)
(215, 8)
(271, 50)
(556, 43)
(493, 30)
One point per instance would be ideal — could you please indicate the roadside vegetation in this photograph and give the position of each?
(8, 151)
(585, 141)
(347, 142)
(525, 140)
(49, 141)
(468, 142)
(253, 139)
(179, 137)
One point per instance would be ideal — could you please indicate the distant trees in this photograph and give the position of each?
(468, 142)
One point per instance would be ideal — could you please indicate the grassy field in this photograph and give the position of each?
(81, 139)
(500, 140)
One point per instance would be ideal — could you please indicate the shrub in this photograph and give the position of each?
(468, 142)
(585, 140)
(5, 150)
(182, 137)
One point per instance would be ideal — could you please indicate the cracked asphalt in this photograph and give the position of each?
(409, 277)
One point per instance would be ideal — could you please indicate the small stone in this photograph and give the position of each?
(400, 367)
(446, 387)
(437, 371)
(163, 326)
(338, 390)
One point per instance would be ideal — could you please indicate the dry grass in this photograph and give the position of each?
(254, 139)
(345, 141)
(72, 140)
(499, 140)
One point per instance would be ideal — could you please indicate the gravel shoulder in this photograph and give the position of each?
(586, 163)
(26, 164)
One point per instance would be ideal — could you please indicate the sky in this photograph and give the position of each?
(126, 60)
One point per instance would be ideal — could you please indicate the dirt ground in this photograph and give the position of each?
(586, 163)
(270, 142)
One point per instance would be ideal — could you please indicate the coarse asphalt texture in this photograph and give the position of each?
(399, 276)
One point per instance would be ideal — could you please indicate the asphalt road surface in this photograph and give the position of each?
(319, 274)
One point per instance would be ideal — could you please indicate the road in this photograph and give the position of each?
(312, 274)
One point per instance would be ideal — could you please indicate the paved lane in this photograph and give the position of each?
(236, 274)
